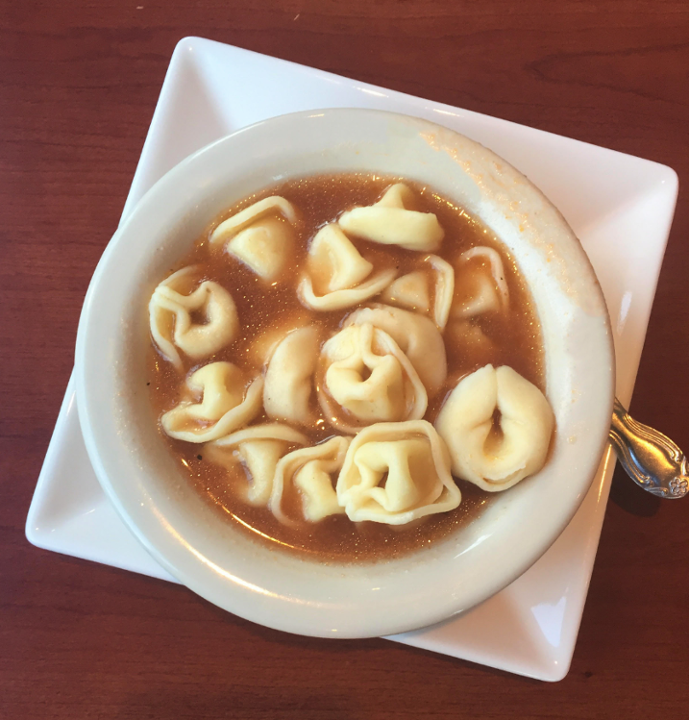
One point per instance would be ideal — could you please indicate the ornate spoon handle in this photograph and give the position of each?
(650, 458)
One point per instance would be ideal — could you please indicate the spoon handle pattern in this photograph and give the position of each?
(650, 458)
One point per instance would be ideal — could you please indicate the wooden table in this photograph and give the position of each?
(78, 84)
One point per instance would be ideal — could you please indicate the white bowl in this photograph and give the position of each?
(187, 536)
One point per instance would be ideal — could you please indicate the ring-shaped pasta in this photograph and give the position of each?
(226, 404)
(395, 473)
(496, 454)
(412, 291)
(417, 336)
(261, 236)
(336, 275)
(390, 222)
(366, 378)
(258, 448)
(289, 376)
(312, 472)
(170, 315)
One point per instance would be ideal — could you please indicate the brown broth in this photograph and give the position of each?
(270, 309)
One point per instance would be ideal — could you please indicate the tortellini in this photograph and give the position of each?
(261, 236)
(336, 275)
(483, 289)
(395, 473)
(313, 472)
(321, 419)
(390, 222)
(333, 262)
(367, 375)
(226, 404)
(417, 337)
(289, 376)
(170, 314)
(258, 448)
(412, 290)
(495, 454)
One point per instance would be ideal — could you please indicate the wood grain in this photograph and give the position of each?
(78, 85)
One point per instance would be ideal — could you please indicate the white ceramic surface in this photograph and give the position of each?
(621, 212)
(215, 558)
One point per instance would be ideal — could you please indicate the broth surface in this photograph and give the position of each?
(269, 310)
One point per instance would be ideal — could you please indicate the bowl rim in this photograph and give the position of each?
(87, 411)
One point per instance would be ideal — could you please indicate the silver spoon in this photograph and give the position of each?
(650, 458)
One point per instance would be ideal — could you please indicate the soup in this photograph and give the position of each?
(487, 321)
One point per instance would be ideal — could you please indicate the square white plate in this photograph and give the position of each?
(620, 207)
